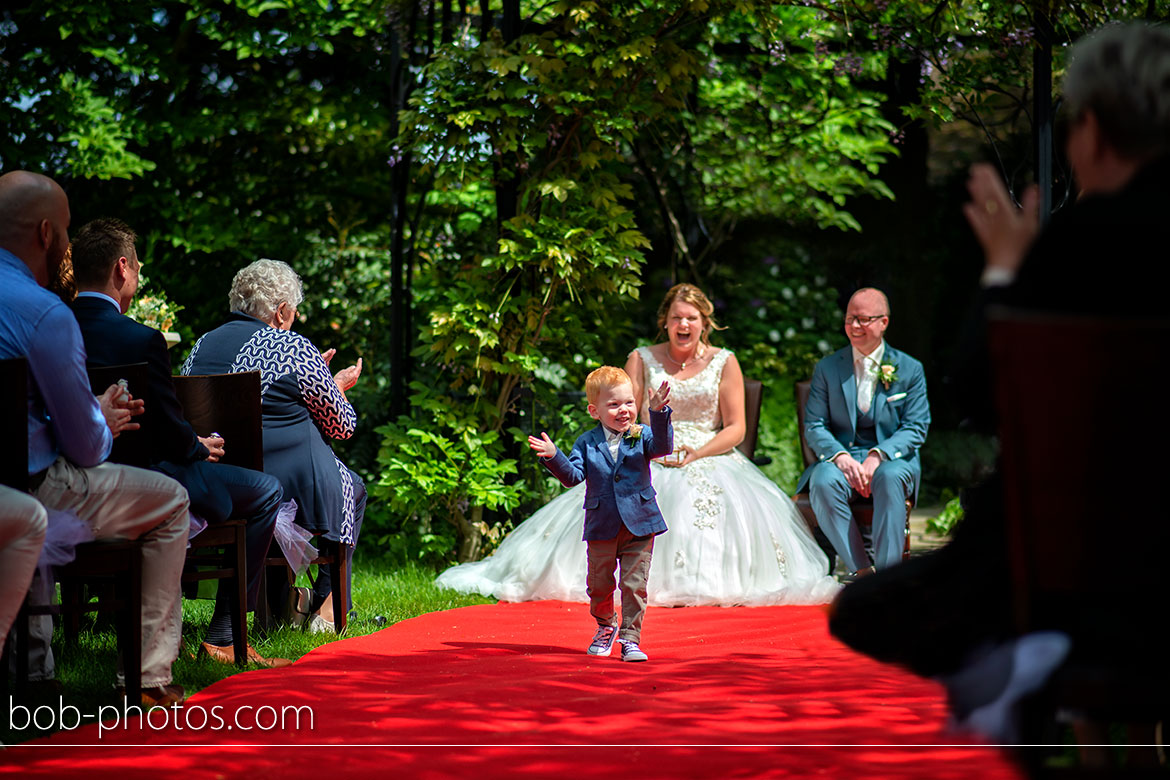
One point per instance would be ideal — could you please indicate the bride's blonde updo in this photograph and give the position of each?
(689, 293)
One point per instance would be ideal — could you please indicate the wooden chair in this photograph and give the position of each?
(114, 565)
(14, 474)
(237, 416)
(862, 507)
(131, 448)
(227, 404)
(753, 399)
(1066, 389)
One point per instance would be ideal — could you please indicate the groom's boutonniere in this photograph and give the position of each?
(887, 374)
(634, 432)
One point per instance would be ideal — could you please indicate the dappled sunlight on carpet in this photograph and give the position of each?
(741, 681)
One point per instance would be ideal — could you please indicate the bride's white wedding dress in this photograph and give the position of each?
(734, 537)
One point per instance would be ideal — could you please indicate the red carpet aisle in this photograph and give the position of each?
(722, 689)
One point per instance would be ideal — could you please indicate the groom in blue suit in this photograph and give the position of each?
(866, 418)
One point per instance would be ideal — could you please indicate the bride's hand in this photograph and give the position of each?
(679, 458)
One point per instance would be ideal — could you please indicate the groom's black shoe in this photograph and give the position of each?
(855, 576)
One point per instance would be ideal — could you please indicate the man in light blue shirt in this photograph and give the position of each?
(71, 432)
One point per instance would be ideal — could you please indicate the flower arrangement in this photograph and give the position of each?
(887, 374)
(154, 310)
(634, 432)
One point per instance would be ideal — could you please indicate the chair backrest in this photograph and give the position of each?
(131, 448)
(753, 398)
(1081, 515)
(14, 423)
(802, 389)
(227, 404)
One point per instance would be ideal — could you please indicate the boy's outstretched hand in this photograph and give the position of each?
(660, 396)
(542, 446)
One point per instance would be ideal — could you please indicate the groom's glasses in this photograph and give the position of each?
(862, 321)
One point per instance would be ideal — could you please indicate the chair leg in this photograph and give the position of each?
(339, 576)
(240, 607)
(131, 635)
(906, 544)
(71, 601)
(22, 631)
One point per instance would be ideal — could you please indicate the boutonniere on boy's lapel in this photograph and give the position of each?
(633, 433)
(887, 374)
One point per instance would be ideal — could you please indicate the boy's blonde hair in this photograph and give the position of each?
(602, 379)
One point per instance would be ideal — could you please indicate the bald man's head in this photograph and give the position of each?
(866, 318)
(34, 222)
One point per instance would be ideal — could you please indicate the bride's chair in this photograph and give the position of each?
(862, 507)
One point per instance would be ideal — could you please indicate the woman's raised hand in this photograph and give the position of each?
(1004, 231)
(660, 396)
(542, 446)
(347, 377)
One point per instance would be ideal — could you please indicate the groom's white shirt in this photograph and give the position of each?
(865, 372)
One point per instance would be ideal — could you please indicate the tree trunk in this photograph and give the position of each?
(470, 537)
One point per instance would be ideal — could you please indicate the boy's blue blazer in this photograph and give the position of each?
(617, 493)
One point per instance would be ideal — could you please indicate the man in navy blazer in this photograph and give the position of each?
(621, 513)
(866, 419)
(106, 270)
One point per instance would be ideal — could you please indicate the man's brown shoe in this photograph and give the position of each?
(162, 696)
(227, 655)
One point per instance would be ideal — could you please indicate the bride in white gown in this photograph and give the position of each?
(734, 538)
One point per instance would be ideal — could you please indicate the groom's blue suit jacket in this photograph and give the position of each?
(901, 412)
(617, 492)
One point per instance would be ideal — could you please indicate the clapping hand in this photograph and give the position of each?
(542, 446)
(1004, 231)
(346, 377)
(660, 396)
(118, 407)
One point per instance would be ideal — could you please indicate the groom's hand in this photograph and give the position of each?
(868, 467)
(853, 472)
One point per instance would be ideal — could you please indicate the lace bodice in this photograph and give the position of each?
(694, 401)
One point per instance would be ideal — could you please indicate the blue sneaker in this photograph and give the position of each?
(631, 651)
(602, 643)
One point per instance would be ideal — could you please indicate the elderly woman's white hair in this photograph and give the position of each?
(258, 289)
(1122, 74)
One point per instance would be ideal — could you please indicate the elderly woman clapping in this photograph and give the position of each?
(302, 404)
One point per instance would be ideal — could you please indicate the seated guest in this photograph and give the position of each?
(106, 268)
(22, 532)
(70, 432)
(302, 404)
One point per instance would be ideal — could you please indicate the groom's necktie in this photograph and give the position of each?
(866, 380)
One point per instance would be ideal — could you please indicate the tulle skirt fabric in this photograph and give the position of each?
(734, 539)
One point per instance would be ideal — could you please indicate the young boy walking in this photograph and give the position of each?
(621, 513)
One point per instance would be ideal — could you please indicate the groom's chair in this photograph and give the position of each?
(862, 507)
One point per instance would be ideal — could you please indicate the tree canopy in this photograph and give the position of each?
(479, 195)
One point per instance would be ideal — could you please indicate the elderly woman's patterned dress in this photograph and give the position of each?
(301, 406)
(734, 538)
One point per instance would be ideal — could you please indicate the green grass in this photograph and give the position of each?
(86, 670)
